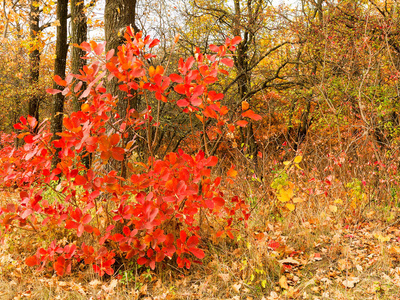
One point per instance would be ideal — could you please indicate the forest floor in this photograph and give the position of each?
(324, 257)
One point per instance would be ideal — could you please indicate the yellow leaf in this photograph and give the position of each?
(298, 159)
(290, 206)
(338, 201)
(382, 238)
(285, 195)
(333, 208)
(283, 283)
(297, 200)
(298, 167)
(286, 163)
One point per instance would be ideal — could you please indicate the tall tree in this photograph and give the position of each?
(118, 15)
(79, 35)
(34, 57)
(59, 66)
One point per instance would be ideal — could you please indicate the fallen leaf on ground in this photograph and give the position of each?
(351, 282)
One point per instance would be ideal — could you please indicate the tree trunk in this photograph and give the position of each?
(117, 16)
(244, 82)
(34, 60)
(59, 69)
(79, 35)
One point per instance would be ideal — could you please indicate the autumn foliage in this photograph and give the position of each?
(152, 213)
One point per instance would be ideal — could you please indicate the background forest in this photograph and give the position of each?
(242, 149)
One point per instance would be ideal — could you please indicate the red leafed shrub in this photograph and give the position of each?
(157, 207)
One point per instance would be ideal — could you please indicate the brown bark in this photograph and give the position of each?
(34, 60)
(117, 16)
(79, 35)
(59, 68)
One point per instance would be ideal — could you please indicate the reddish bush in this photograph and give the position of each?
(158, 206)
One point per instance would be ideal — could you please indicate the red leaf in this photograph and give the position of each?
(31, 261)
(182, 103)
(99, 49)
(80, 230)
(250, 114)
(80, 180)
(32, 121)
(193, 241)
(114, 139)
(209, 203)
(71, 224)
(88, 228)
(274, 245)
(118, 153)
(196, 101)
(23, 120)
(154, 43)
(18, 126)
(53, 91)
(26, 213)
(197, 252)
(126, 230)
(110, 54)
(180, 89)
(236, 40)
(214, 96)
(211, 161)
(28, 139)
(214, 48)
(86, 219)
(176, 78)
(219, 202)
(86, 46)
(142, 260)
(228, 62)
(198, 90)
(59, 80)
(183, 235)
(229, 233)
(117, 237)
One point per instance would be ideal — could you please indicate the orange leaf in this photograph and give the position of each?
(59, 80)
(159, 70)
(152, 71)
(114, 139)
(242, 123)
(250, 114)
(118, 153)
(85, 107)
(232, 172)
(31, 261)
(200, 118)
(245, 105)
(224, 110)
